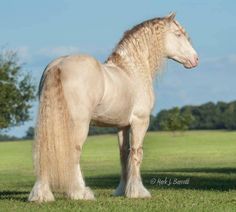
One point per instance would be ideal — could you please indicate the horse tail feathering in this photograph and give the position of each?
(54, 152)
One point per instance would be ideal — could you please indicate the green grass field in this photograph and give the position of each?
(207, 160)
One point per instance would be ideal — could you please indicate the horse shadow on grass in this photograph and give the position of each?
(218, 179)
(14, 195)
(215, 179)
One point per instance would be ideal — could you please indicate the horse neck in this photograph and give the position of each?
(141, 53)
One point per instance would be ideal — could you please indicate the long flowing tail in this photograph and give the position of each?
(54, 150)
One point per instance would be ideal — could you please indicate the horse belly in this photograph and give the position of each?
(116, 117)
(113, 112)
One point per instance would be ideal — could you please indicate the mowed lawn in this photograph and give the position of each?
(203, 163)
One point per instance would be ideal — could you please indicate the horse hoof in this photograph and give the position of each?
(137, 191)
(40, 193)
(88, 194)
(84, 194)
(120, 190)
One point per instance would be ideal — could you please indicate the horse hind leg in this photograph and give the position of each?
(78, 189)
(123, 140)
(80, 116)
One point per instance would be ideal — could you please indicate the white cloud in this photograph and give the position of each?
(225, 59)
(24, 53)
(232, 58)
(58, 51)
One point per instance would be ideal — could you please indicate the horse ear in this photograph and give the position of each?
(171, 16)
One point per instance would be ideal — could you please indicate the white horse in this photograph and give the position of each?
(75, 90)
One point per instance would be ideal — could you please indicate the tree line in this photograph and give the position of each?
(209, 116)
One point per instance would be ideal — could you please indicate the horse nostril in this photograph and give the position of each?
(196, 58)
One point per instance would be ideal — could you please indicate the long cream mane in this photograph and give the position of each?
(141, 48)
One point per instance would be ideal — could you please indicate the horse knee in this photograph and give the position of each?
(136, 155)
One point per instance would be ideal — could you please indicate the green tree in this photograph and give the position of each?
(157, 121)
(172, 121)
(29, 133)
(229, 116)
(186, 119)
(16, 91)
(176, 121)
(153, 123)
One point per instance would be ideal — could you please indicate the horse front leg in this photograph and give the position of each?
(123, 140)
(134, 185)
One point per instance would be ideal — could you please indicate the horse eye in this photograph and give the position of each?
(178, 34)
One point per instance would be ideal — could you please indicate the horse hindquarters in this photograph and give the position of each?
(56, 148)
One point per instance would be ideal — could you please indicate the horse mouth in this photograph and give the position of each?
(189, 64)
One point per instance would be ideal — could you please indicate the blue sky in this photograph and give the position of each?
(42, 30)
